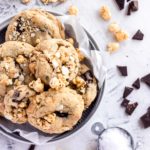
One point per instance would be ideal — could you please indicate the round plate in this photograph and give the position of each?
(87, 114)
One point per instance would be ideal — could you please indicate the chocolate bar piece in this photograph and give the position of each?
(133, 6)
(120, 4)
(146, 119)
(131, 107)
(146, 79)
(123, 70)
(136, 84)
(32, 147)
(127, 91)
(138, 35)
(125, 102)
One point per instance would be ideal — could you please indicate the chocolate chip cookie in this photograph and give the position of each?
(55, 111)
(33, 26)
(55, 62)
(85, 84)
(16, 102)
(14, 68)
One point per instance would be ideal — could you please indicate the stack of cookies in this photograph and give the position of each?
(43, 78)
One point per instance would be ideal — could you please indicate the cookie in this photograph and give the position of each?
(86, 85)
(55, 62)
(33, 26)
(54, 111)
(14, 68)
(16, 102)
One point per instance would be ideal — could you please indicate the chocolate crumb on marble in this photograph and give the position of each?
(127, 91)
(132, 7)
(125, 102)
(131, 108)
(120, 4)
(136, 84)
(146, 79)
(32, 147)
(138, 35)
(123, 70)
(145, 119)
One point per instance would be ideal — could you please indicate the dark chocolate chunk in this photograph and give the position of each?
(127, 91)
(129, 10)
(19, 26)
(138, 35)
(131, 107)
(120, 4)
(15, 95)
(134, 5)
(88, 76)
(146, 119)
(61, 114)
(123, 70)
(125, 102)
(146, 79)
(32, 147)
(136, 83)
(128, 0)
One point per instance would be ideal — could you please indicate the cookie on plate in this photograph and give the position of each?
(14, 68)
(54, 111)
(55, 62)
(85, 84)
(33, 26)
(16, 102)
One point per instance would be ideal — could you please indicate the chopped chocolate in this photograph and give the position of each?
(146, 79)
(129, 10)
(125, 102)
(32, 147)
(134, 5)
(127, 91)
(120, 4)
(146, 119)
(61, 114)
(88, 76)
(123, 70)
(138, 35)
(128, 0)
(136, 83)
(16, 94)
(131, 107)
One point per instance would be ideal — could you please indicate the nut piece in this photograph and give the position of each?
(121, 36)
(73, 10)
(25, 1)
(113, 46)
(105, 13)
(113, 27)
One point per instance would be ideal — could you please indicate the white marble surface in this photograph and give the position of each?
(134, 54)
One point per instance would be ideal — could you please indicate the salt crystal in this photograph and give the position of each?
(115, 139)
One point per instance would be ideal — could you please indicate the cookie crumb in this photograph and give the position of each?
(37, 85)
(113, 27)
(121, 36)
(25, 1)
(112, 47)
(73, 10)
(105, 13)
